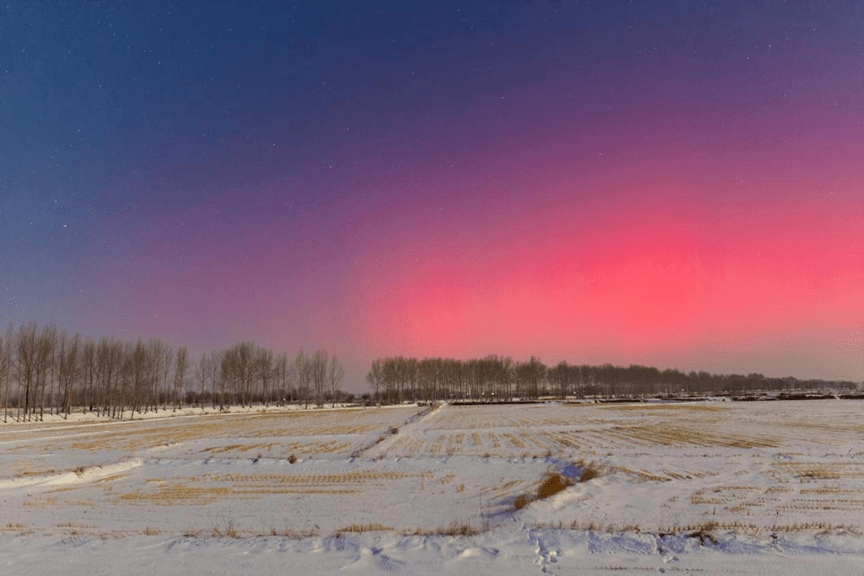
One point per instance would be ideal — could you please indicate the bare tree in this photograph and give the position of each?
(282, 375)
(26, 365)
(69, 368)
(54, 376)
(530, 375)
(141, 372)
(335, 375)
(156, 356)
(240, 366)
(165, 362)
(558, 376)
(180, 369)
(109, 363)
(216, 380)
(45, 345)
(203, 373)
(319, 375)
(302, 375)
(227, 377)
(375, 377)
(5, 369)
(124, 380)
(507, 378)
(392, 380)
(265, 370)
(88, 372)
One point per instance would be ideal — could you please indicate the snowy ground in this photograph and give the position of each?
(716, 487)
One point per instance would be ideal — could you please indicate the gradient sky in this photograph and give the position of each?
(678, 184)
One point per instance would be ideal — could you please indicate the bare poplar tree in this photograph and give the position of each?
(213, 374)
(265, 372)
(181, 367)
(335, 375)
(411, 371)
(202, 374)
(88, 371)
(109, 361)
(54, 377)
(393, 380)
(5, 369)
(140, 373)
(281, 374)
(375, 377)
(45, 346)
(507, 378)
(69, 369)
(227, 376)
(302, 375)
(26, 365)
(217, 382)
(319, 375)
(155, 357)
(167, 356)
(239, 367)
(124, 378)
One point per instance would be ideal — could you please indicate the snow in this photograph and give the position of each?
(727, 488)
(66, 478)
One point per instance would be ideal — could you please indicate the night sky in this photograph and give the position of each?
(677, 184)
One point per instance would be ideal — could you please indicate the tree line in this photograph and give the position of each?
(501, 379)
(43, 369)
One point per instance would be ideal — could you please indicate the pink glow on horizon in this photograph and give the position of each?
(631, 283)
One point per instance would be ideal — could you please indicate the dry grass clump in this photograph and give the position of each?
(705, 533)
(553, 483)
(359, 528)
(27, 472)
(74, 525)
(459, 529)
(455, 528)
(228, 529)
(14, 526)
(819, 473)
(589, 471)
(522, 501)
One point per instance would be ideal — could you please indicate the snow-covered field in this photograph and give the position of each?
(713, 487)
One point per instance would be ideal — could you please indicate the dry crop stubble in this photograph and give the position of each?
(793, 481)
(173, 494)
(222, 487)
(679, 435)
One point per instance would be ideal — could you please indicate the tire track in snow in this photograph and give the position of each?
(411, 426)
